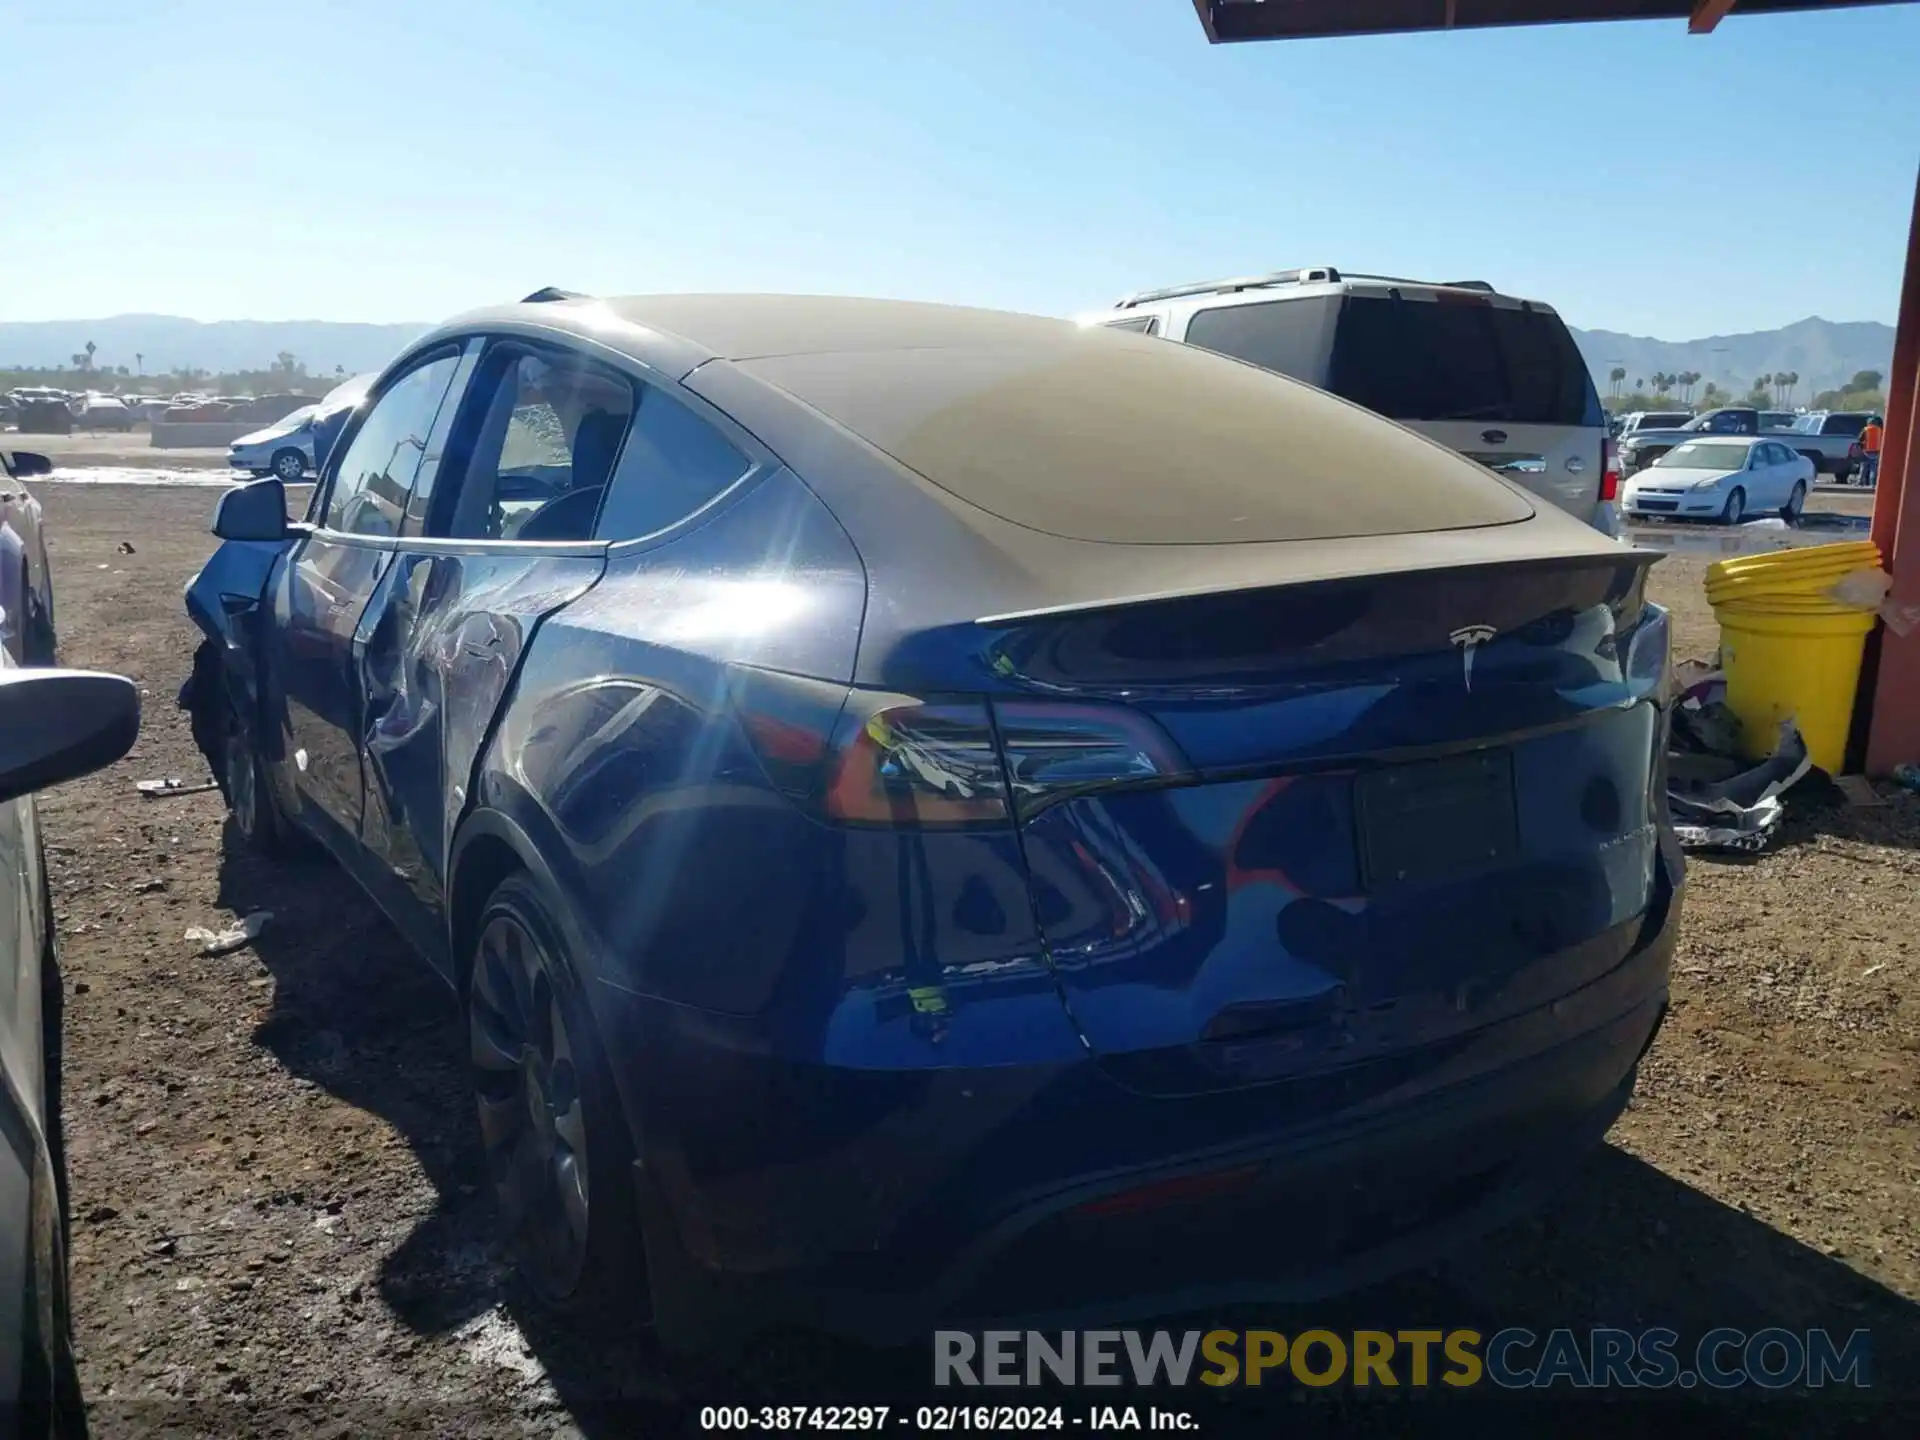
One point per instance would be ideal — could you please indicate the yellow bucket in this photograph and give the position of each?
(1789, 648)
(1782, 662)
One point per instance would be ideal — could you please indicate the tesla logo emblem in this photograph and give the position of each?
(1466, 640)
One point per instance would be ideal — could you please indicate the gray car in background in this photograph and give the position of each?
(55, 725)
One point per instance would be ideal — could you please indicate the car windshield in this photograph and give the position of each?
(1705, 455)
(1425, 360)
(294, 419)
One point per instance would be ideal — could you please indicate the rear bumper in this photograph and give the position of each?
(963, 1196)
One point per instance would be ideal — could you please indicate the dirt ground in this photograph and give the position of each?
(105, 447)
(280, 1226)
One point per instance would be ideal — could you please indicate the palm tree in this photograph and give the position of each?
(1793, 384)
(139, 362)
(1615, 376)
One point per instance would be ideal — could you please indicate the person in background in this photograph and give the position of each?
(1870, 437)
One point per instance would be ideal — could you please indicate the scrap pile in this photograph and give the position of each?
(1717, 800)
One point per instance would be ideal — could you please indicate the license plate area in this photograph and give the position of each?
(1434, 820)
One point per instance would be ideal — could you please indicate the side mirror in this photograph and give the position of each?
(58, 725)
(252, 512)
(25, 464)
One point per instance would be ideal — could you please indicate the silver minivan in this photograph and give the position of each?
(1496, 378)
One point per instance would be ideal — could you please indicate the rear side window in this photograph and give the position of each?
(1844, 425)
(1432, 360)
(1292, 337)
(1144, 325)
(674, 463)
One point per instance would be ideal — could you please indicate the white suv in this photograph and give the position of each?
(1498, 379)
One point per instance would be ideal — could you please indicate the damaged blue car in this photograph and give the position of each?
(939, 813)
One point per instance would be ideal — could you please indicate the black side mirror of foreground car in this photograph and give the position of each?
(25, 464)
(58, 725)
(252, 512)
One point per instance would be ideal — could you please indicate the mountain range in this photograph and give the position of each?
(1825, 353)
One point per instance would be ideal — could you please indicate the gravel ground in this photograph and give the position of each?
(280, 1226)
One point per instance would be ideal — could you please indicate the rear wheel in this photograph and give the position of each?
(1796, 502)
(550, 1125)
(1736, 507)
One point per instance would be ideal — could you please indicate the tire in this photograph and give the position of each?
(558, 1154)
(289, 466)
(1796, 502)
(1735, 510)
(248, 788)
(38, 645)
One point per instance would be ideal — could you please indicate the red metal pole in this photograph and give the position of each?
(1893, 734)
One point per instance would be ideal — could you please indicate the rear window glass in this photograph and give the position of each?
(1293, 337)
(1425, 360)
(1844, 425)
(1662, 422)
(1120, 439)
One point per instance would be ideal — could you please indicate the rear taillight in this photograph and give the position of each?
(905, 762)
(863, 757)
(1609, 470)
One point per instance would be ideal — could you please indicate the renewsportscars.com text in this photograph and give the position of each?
(1512, 1358)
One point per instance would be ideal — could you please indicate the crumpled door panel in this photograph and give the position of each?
(438, 649)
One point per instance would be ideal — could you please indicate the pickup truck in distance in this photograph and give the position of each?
(1830, 438)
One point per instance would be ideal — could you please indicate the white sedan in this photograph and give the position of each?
(1721, 477)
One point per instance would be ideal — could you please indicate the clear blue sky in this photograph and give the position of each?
(405, 159)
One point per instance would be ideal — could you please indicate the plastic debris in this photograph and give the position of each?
(1901, 617)
(1741, 811)
(1864, 589)
(235, 937)
(172, 785)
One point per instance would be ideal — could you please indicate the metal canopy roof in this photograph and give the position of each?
(1227, 20)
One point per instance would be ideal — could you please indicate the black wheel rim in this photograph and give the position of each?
(532, 1124)
(242, 793)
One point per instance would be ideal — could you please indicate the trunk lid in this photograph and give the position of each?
(1417, 804)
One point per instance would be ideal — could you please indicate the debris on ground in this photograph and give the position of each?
(1908, 775)
(1716, 799)
(172, 785)
(235, 937)
(1858, 791)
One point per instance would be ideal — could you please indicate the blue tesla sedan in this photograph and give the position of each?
(941, 813)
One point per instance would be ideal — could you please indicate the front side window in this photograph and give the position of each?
(674, 463)
(550, 426)
(370, 487)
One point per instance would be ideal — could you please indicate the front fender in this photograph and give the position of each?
(232, 583)
(224, 601)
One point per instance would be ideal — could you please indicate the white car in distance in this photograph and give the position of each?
(1721, 477)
